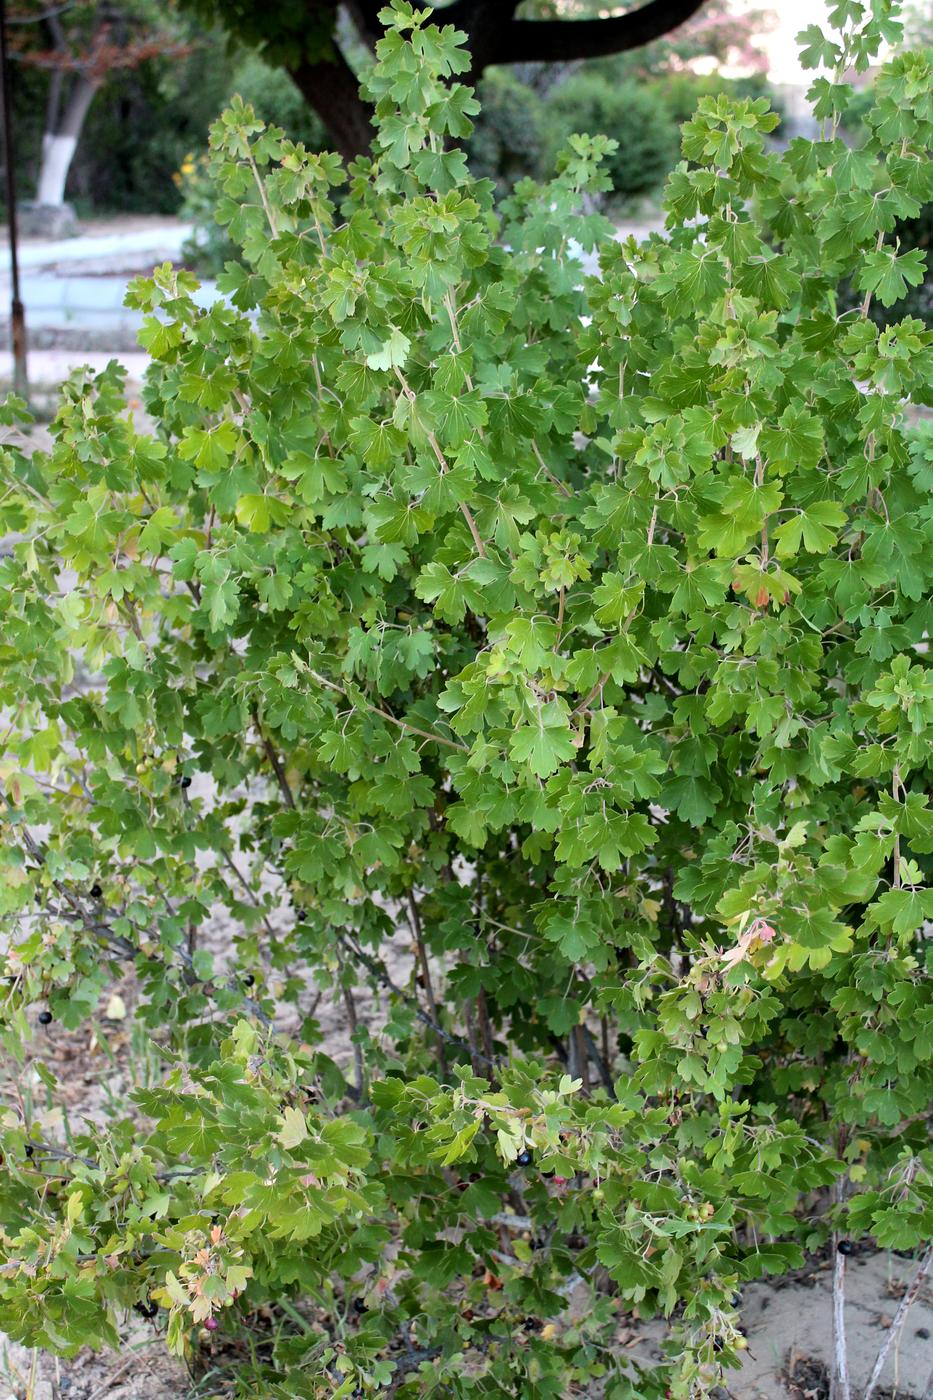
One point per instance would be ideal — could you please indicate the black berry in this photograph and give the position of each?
(186, 781)
(30, 1150)
(845, 1247)
(45, 1018)
(249, 980)
(524, 1157)
(359, 1306)
(301, 916)
(96, 891)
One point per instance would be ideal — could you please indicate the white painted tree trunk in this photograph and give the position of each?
(58, 147)
(57, 153)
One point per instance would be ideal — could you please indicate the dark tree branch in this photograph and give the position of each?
(494, 36)
(600, 1062)
(559, 40)
(484, 22)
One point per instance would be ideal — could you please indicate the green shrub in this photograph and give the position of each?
(634, 115)
(536, 666)
(509, 139)
(681, 92)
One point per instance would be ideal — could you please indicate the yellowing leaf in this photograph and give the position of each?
(294, 1129)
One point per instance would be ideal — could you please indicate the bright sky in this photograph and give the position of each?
(780, 44)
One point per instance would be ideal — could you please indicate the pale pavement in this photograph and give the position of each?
(154, 243)
(80, 284)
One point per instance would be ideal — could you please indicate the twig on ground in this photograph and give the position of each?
(910, 1293)
(120, 1371)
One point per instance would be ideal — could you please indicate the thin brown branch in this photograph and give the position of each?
(379, 971)
(116, 941)
(392, 719)
(275, 761)
(358, 1069)
(585, 703)
(418, 932)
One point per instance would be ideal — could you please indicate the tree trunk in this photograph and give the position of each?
(332, 90)
(60, 142)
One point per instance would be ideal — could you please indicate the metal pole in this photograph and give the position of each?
(17, 314)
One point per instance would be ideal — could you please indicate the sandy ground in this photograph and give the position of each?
(143, 1370)
(789, 1323)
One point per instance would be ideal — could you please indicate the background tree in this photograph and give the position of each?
(80, 46)
(305, 37)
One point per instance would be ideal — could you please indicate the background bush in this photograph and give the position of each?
(509, 141)
(524, 121)
(146, 124)
(637, 118)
